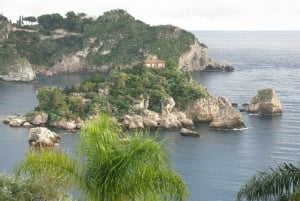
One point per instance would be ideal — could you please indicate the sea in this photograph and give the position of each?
(216, 165)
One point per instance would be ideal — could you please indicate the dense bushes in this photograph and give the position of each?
(14, 188)
(119, 91)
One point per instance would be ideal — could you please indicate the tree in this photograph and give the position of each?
(111, 166)
(280, 184)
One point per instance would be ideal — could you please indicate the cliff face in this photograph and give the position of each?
(198, 59)
(21, 70)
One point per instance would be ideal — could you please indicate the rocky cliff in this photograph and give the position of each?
(198, 58)
(19, 70)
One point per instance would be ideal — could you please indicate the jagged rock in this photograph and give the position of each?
(43, 137)
(151, 115)
(136, 122)
(38, 118)
(217, 111)
(265, 102)
(167, 118)
(186, 132)
(142, 103)
(64, 124)
(167, 105)
(198, 58)
(19, 70)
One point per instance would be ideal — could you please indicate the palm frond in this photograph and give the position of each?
(271, 185)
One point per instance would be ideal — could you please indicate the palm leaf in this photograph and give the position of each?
(275, 184)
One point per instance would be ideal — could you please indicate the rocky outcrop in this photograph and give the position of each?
(168, 118)
(217, 111)
(20, 70)
(15, 121)
(265, 102)
(73, 63)
(64, 124)
(187, 132)
(198, 58)
(37, 119)
(43, 137)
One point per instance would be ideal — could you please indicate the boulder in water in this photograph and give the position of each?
(265, 102)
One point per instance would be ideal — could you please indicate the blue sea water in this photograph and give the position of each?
(216, 165)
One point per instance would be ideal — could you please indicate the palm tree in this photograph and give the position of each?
(280, 184)
(110, 166)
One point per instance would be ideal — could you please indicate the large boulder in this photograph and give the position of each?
(187, 132)
(265, 102)
(43, 137)
(217, 111)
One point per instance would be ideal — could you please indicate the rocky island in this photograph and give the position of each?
(145, 83)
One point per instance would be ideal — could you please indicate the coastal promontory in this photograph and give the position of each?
(53, 44)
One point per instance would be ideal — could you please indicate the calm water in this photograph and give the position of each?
(217, 164)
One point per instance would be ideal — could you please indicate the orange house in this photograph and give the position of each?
(155, 63)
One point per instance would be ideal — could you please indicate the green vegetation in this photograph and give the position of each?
(110, 165)
(45, 187)
(118, 92)
(280, 184)
(115, 39)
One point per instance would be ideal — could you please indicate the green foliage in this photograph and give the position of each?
(277, 184)
(120, 90)
(14, 188)
(110, 165)
(51, 22)
(53, 102)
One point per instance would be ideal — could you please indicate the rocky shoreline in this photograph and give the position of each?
(219, 112)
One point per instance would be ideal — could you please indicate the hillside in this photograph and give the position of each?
(115, 39)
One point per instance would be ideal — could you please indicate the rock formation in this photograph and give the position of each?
(19, 70)
(198, 58)
(167, 119)
(217, 111)
(37, 119)
(187, 132)
(43, 137)
(265, 102)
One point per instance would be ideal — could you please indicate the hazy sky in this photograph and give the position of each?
(187, 14)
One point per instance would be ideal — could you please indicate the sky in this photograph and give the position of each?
(187, 14)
